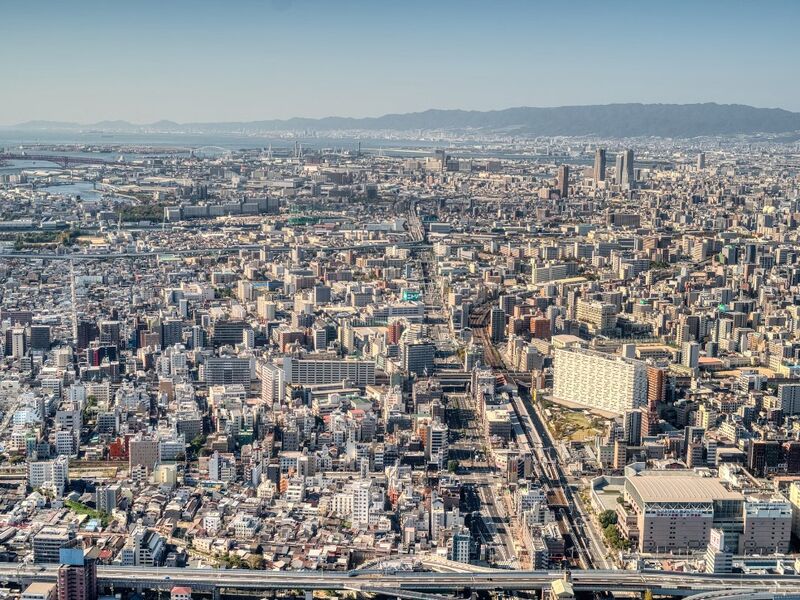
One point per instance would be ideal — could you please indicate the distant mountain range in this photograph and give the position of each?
(608, 120)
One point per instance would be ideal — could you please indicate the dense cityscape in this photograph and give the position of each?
(329, 360)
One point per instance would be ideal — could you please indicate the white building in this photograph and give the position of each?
(49, 473)
(359, 372)
(598, 380)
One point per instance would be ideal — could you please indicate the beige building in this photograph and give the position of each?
(604, 381)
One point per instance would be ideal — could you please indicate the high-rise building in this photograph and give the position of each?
(107, 497)
(497, 324)
(633, 427)
(628, 173)
(227, 370)
(436, 442)
(690, 355)
(600, 316)
(600, 380)
(40, 337)
(18, 345)
(109, 333)
(171, 332)
(143, 452)
(77, 576)
(563, 180)
(701, 161)
(52, 474)
(273, 383)
(49, 541)
(418, 358)
(789, 398)
(599, 171)
(313, 371)
(459, 546)
(656, 392)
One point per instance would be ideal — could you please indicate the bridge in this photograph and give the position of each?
(414, 583)
(62, 160)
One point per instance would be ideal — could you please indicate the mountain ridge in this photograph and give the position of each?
(603, 120)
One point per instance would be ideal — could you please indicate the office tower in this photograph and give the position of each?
(436, 443)
(183, 308)
(417, 358)
(441, 155)
(690, 354)
(18, 345)
(701, 161)
(563, 180)
(109, 333)
(497, 324)
(171, 332)
(227, 370)
(49, 541)
(143, 452)
(600, 380)
(599, 171)
(789, 397)
(226, 332)
(77, 576)
(198, 339)
(507, 302)
(40, 337)
(618, 167)
(628, 177)
(107, 497)
(273, 383)
(633, 427)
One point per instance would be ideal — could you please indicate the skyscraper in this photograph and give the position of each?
(599, 172)
(628, 177)
(563, 180)
(701, 161)
(618, 165)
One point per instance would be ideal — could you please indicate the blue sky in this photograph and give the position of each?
(199, 60)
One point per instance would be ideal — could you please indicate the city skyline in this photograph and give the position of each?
(89, 62)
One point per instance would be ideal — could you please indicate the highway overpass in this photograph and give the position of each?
(397, 582)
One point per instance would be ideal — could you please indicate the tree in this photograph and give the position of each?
(452, 466)
(196, 445)
(607, 517)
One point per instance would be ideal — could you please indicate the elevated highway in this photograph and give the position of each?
(392, 582)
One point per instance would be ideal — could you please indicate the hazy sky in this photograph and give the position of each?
(197, 60)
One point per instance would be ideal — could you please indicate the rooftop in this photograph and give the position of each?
(655, 486)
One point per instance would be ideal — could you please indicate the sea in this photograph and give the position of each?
(175, 144)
